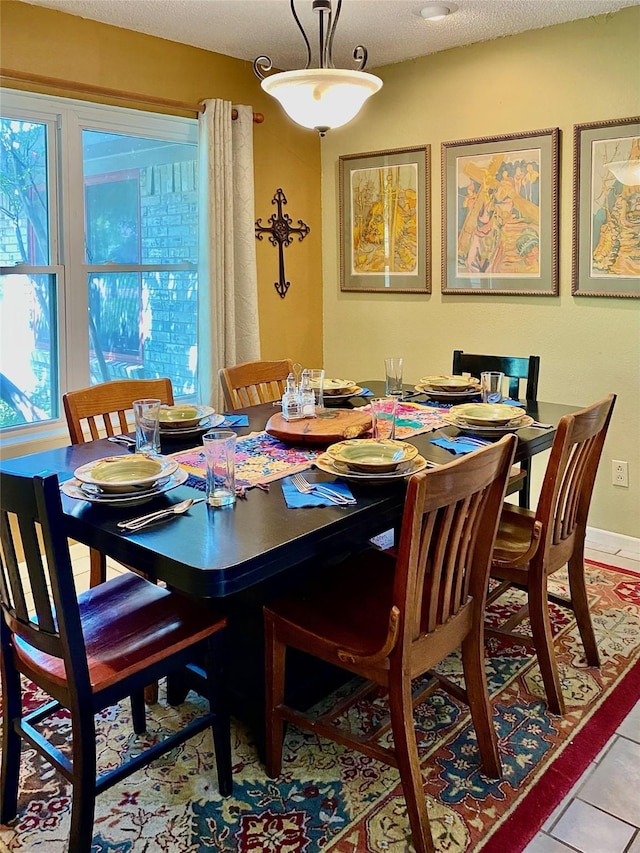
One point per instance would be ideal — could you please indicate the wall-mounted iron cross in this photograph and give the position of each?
(280, 235)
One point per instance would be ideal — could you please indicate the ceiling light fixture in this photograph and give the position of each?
(325, 97)
(435, 11)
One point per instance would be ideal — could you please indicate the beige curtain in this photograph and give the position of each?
(228, 331)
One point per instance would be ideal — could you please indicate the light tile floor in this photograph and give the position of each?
(601, 814)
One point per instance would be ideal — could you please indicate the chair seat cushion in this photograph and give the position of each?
(128, 623)
(348, 606)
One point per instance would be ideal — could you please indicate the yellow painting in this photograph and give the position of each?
(384, 220)
(615, 208)
(498, 214)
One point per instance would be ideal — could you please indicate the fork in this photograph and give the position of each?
(307, 488)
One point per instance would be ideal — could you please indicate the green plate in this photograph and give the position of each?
(125, 473)
(183, 416)
(372, 455)
(485, 414)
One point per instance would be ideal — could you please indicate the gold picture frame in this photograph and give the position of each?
(385, 221)
(606, 209)
(500, 214)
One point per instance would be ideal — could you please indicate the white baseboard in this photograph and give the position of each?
(613, 543)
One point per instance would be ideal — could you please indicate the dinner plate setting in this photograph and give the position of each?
(449, 388)
(488, 419)
(187, 419)
(371, 455)
(124, 480)
(331, 466)
(343, 393)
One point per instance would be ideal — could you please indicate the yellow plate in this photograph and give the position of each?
(484, 414)
(449, 382)
(372, 455)
(125, 473)
(171, 417)
(335, 386)
(331, 466)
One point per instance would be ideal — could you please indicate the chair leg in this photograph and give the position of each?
(11, 744)
(97, 567)
(524, 495)
(475, 676)
(218, 704)
(275, 654)
(138, 713)
(580, 603)
(406, 750)
(543, 641)
(84, 782)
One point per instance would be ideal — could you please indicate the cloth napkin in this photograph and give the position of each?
(235, 420)
(365, 393)
(457, 445)
(295, 499)
(508, 402)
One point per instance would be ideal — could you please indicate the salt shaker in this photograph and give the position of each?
(307, 397)
(291, 407)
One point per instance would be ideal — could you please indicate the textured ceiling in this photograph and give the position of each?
(391, 30)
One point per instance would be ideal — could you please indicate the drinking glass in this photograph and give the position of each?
(383, 416)
(147, 413)
(316, 380)
(220, 453)
(393, 376)
(491, 386)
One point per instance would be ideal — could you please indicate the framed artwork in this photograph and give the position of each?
(500, 214)
(606, 208)
(384, 221)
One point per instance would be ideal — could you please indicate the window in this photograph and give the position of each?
(98, 252)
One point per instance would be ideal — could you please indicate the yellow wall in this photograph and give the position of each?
(579, 72)
(50, 43)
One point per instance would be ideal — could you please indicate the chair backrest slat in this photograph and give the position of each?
(254, 382)
(515, 369)
(449, 526)
(54, 627)
(101, 409)
(568, 483)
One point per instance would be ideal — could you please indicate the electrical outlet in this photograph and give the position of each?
(620, 473)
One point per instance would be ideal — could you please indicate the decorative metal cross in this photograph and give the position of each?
(280, 235)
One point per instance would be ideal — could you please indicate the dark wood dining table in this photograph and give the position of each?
(240, 556)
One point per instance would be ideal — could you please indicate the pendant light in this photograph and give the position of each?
(325, 97)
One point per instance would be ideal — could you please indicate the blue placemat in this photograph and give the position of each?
(294, 499)
(458, 445)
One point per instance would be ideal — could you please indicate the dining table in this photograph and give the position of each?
(240, 556)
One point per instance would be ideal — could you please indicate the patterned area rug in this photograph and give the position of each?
(331, 799)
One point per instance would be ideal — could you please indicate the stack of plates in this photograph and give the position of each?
(187, 420)
(449, 388)
(490, 419)
(124, 480)
(371, 459)
(340, 389)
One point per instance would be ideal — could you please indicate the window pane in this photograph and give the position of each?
(141, 199)
(28, 351)
(144, 325)
(23, 193)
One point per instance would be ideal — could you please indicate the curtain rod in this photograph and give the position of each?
(88, 89)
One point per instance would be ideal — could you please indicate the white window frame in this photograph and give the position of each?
(69, 118)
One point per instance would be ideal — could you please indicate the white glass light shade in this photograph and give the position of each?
(322, 98)
(626, 171)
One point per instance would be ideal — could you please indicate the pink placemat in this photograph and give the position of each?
(412, 419)
(260, 458)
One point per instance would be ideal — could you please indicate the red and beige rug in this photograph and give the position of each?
(331, 799)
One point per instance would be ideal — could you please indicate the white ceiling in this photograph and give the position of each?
(391, 30)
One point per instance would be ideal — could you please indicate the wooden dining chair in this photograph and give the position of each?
(531, 546)
(89, 652)
(254, 382)
(519, 372)
(392, 620)
(101, 410)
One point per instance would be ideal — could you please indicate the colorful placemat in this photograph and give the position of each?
(260, 458)
(413, 418)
